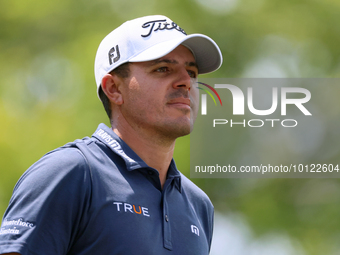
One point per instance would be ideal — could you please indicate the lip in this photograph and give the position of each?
(180, 102)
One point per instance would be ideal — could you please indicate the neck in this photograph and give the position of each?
(155, 151)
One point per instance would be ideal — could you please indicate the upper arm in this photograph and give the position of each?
(46, 208)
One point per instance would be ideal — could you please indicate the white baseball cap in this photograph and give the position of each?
(149, 38)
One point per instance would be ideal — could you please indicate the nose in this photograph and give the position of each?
(183, 80)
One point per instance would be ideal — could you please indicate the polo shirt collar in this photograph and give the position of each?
(175, 175)
(118, 146)
(132, 160)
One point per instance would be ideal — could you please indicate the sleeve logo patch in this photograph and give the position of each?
(11, 226)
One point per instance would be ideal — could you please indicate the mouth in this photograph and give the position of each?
(181, 102)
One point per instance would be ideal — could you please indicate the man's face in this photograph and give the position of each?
(161, 96)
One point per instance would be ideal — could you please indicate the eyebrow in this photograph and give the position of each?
(172, 61)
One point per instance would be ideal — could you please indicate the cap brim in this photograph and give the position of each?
(206, 52)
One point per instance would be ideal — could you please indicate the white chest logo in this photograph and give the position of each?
(128, 208)
(195, 230)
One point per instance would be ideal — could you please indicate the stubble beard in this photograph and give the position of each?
(169, 131)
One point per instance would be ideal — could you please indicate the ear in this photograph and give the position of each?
(111, 89)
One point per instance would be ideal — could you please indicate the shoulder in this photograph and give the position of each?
(54, 194)
(196, 196)
(64, 163)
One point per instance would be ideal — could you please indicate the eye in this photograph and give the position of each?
(162, 69)
(192, 74)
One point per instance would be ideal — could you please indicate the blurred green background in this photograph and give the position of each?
(48, 98)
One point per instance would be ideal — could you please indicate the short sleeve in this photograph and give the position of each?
(45, 213)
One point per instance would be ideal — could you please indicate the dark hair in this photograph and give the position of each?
(123, 71)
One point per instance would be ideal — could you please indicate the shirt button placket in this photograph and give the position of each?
(166, 222)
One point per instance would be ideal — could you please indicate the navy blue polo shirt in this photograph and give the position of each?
(96, 196)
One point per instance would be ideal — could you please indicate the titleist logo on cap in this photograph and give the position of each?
(162, 25)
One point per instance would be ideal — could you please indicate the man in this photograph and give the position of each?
(119, 192)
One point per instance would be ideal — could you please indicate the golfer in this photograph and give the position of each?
(119, 191)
